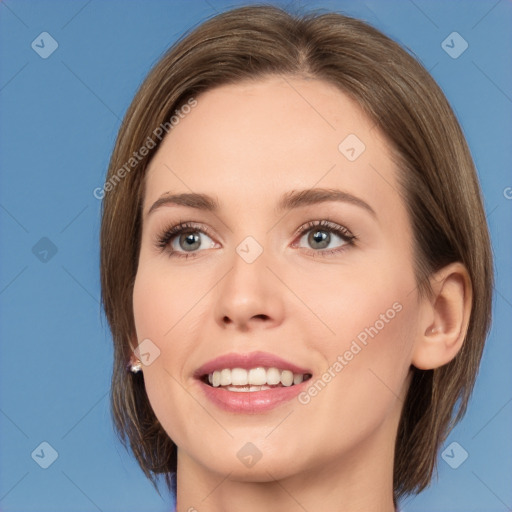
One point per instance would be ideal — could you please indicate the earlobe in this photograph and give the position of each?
(444, 318)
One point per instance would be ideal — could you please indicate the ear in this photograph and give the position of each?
(444, 318)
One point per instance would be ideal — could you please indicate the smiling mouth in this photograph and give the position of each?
(254, 379)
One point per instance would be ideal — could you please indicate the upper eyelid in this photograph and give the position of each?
(322, 222)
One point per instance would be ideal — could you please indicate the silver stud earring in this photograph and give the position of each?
(136, 367)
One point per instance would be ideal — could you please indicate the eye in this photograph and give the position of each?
(319, 235)
(184, 239)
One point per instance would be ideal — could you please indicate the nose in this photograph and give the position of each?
(249, 296)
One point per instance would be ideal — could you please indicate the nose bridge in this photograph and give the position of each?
(249, 291)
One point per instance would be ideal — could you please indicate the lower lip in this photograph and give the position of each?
(251, 402)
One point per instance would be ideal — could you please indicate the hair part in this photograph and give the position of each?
(437, 177)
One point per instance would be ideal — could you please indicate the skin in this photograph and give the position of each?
(247, 144)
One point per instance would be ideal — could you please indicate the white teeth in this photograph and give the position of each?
(257, 376)
(273, 376)
(239, 377)
(225, 377)
(246, 389)
(287, 378)
(258, 388)
(255, 379)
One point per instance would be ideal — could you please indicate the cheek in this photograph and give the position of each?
(366, 367)
(369, 322)
(347, 301)
(373, 354)
(165, 306)
(163, 302)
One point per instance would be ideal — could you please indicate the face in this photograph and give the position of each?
(280, 280)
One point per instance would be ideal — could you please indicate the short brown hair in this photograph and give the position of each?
(436, 174)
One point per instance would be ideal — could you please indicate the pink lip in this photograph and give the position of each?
(252, 402)
(255, 401)
(247, 361)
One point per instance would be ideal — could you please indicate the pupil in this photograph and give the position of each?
(320, 237)
(191, 239)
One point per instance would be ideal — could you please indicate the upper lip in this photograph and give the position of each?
(248, 361)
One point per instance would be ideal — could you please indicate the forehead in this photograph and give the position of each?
(248, 142)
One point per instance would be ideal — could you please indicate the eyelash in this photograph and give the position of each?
(164, 239)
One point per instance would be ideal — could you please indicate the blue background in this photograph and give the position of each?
(59, 120)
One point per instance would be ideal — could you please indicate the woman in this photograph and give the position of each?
(295, 267)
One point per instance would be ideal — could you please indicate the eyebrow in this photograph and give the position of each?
(290, 200)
